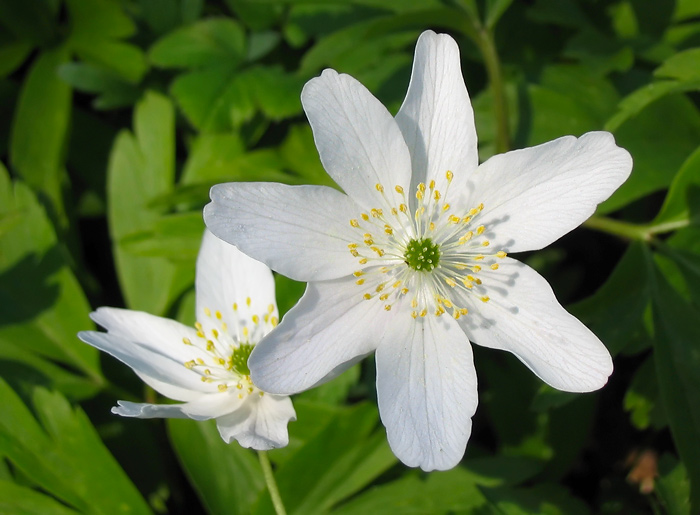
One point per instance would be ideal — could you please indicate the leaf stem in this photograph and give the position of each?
(630, 231)
(271, 483)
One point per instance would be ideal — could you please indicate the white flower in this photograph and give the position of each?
(205, 367)
(411, 262)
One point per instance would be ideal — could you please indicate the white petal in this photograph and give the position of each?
(426, 388)
(226, 276)
(534, 196)
(299, 231)
(213, 405)
(436, 118)
(138, 410)
(358, 140)
(260, 424)
(524, 317)
(330, 326)
(171, 377)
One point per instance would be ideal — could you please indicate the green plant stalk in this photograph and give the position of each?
(630, 231)
(271, 483)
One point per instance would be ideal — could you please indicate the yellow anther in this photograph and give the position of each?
(379, 288)
(207, 312)
(432, 226)
(414, 303)
(473, 211)
(387, 307)
(388, 230)
(221, 361)
(485, 298)
(366, 296)
(476, 269)
(210, 345)
(501, 254)
(432, 185)
(478, 281)
(445, 207)
(215, 333)
(360, 281)
(480, 207)
(467, 284)
(494, 266)
(224, 326)
(240, 395)
(352, 245)
(364, 216)
(479, 257)
(394, 211)
(414, 314)
(436, 195)
(379, 187)
(419, 194)
(463, 311)
(454, 219)
(449, 176)
(190, 364)
(222, 387)
(485, 243)
(354, 222)
(403, 208)
(270, 308)
(466, 219)
(369, 241)
(424, 312)
(239, 386)
(471, 278)
(379, 251)
(480, 229)
(218, 314)
(251, 389)
(266, 317)
(246, 332)
(450, 282)
(384, 296)
(396, 284)
(235, 306)
(200, 334)
(363, 261)
(354, 253)
(187, 341)
(421, 187)
(198, 326)
(375, 213)
(404, 291)
(447, 303)
(274, 321)
(399, 190)
(200, 361)
(247, 301)
(255, 319)
(358, 273)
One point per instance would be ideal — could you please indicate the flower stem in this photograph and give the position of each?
(271, 483)
(630, 231)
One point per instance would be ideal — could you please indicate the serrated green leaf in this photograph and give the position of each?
(658, 149)
(43, 304)
(208, 42)
(677, 359)
(142, 167)
(97, 27)
(227, 477)
(40, 128)
(66, 456)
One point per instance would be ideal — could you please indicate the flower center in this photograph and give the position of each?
(431, 253)
(220, 353)
(422, 255)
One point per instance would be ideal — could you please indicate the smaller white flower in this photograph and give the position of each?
(205, 367)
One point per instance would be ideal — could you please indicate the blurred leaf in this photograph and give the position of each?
(673, 486)
(642, 398)
(20, 500)
(113, 91)
(64, 455)
(175, 237)
(142, 167)
(334, 392)
(43, 304)
(544, 498)
(165, 15)
(12, 55)
(205, 43)
(341, 459)
(658, 149)
(30, 19)
(677, 358)
(97, 26)
(40, 129)
(683, 66)
(494, 11)
(615, 312)
(255, 14)
(677, 205)
(227, 477)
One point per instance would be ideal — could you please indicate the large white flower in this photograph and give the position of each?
(206, 367)
(411, 262)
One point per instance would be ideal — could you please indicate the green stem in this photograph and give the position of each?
(484, 39)
(271, 483)
(630, 231)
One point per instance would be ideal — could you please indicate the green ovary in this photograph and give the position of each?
(239, 359)
(422, 255)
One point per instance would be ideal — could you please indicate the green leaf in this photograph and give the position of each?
(175, 237)
(677, 358)
(642, 398)
(165, 15)
(20, 500)
(345, 456)
(33, 20)
(113, 91)
(673, 487)
(97, 27)
(658, 149)
(683, 66)
(494, 10)
(43, 304)
(64, 455)
(40, 128)
(544, 498)
(677, 204)
(12, 55)
(227, 477)
(205, 43)
(615, 312)
(141, 167)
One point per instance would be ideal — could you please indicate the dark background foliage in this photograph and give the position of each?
(117, 116)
